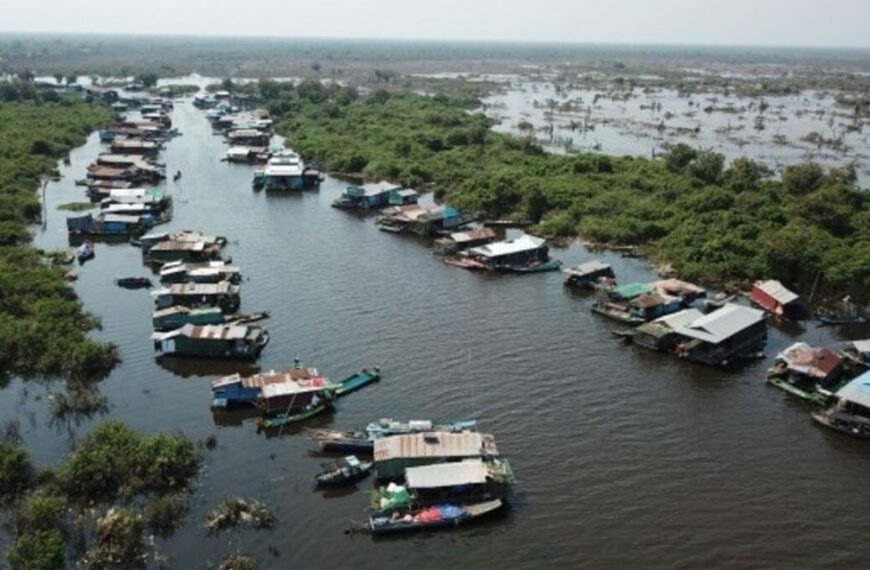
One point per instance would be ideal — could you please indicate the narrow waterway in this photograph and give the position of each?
(624, 457)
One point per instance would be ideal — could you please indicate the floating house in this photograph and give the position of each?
(238, 390)
(392, 455)
(808, 372)
(525, 251)
(660, 334)
(367, 196)
(172, 318)
(460, 241)
(415, 219)
(466, 480)
(850, 411)
(134, 146)
(248, 137)
(589, 274)
(247, 154)
(108, 224)
(637, 303)
(723, 336)
(292, 396)
(858, 350)
(403, 196)
(187, 251)
(210, 272)
(773, 297)
(213, 341)
(222, 294)
(284, 171)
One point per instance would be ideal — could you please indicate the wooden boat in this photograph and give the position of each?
(176, 317)
(362, 441)
(213, 341)
(464, 263)
(536, 267)
(844, 319)
(619, 316)
(856, 426)
(85, 252)
(357, 381)
(440, 516)
(246, 319)
(345, 471)
(279, 420)
(786, 386)
(133, 282)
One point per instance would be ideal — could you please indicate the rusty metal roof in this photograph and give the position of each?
(435, 445)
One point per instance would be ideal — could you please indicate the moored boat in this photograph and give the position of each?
(428, 518)
(362, 441)
(213, 341)
(172, 318)
(133, 282)
(345, 471)
(362, 378)
(850, 411)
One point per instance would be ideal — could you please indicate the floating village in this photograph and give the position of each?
(427, 473)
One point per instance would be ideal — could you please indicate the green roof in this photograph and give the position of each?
(631, 290)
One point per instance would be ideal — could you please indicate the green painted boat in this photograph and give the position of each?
(786, 386)
(620, 316)
(176, 317)
(357, 381)
(286, 419)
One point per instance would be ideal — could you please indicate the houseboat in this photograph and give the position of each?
(722, 337)
(212, 341)
(175, 317)
(237, 390)
(222, 294)
(186, 251)
(850, 411)
(526, 253)
(773, 297)
(395, 454)
(469, 480)
(403, 196)
(638, 303)
(287, 399)
(460, 241)
(135, 146)
(588, 275)
(155, 198)
(247, 154)
(367, 197)
(418, 220)
(109, 224)
(247, 137)
(811, 373)
(210, 272)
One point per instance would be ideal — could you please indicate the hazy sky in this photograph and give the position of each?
(730, 22)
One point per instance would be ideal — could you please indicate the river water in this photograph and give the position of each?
(625, 458)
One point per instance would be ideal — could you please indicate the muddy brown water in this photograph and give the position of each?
(625, 458)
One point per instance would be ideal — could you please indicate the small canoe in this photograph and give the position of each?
(619, 316)
(85, 252)
(343, 472)
(246, 319)
(788, 387)
(842, 320)
(440, 516)
(357, 381)
(133, 282)
(553, 265)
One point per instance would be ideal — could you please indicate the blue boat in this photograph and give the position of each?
(363, 441)
(236, 390)
(362, 378)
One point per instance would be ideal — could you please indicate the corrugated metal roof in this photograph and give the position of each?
(778, 291)
(812, 361)
(121, 218)
(219, 288)
(435, 444)
(173, 245)
(589, 267)
(680, 318)
(525, 242)
(858, 390)
(721, 324)
(290, 387)
(630, 290)
(473, 235)
(861, 346)
(472, 472)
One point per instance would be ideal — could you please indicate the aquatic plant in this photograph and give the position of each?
(236, 510)
(165, 513)
(118, 541)
(16, 472)
(40, 550)
(238, 561)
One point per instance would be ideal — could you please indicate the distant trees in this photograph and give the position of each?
(148, 79)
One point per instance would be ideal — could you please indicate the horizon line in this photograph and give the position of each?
(549, 43)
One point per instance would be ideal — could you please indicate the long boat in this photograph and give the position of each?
(363, 441)
(447, 515)
(362, 378)
(279, 420)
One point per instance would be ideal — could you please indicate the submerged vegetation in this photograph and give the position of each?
(711, 222)
(112, 470)
(43, 329)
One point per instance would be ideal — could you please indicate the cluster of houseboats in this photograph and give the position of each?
(249, 136)
(121, 180)
(427, 475)
(677, 318)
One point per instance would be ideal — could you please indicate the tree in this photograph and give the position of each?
(679, 156)
(58, 77)
(315, 67)
(72, 79)
(802, 178)
(147, 79)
